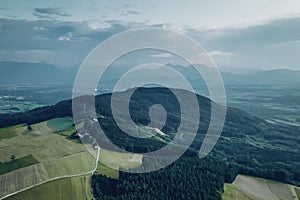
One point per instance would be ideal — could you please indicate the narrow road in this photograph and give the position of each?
(97, 159)
(60, 177)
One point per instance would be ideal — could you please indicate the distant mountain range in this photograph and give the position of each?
(32, 73)
(276, 77)
(42, 73)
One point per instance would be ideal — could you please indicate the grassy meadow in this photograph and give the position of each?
(17, 163)
(252, 188)
(40, 155)
(46, 152)
(233, 192)
(75, 188)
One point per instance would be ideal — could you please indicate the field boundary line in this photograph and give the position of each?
(59, 177)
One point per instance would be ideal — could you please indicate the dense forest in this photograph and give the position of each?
(248, 145)
(186, 178)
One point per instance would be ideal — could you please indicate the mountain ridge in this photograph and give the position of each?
(43, 73)
(31, 73)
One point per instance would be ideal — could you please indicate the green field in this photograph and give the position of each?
(49, 155)
(41, 143)
(69, 165)
(107, 171)
(252, 188)
(60, 124)
(282, 191)
(76, 188)
(232, 192)
(118, 160)
(297, 190)
(43, 153)
(110, 162)
(9, 132)
(22, 178)
(17, 164)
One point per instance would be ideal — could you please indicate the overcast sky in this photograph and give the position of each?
(239, 35)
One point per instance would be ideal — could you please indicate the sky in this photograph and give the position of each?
(238, 35)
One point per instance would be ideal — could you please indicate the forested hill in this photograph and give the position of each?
(142, 99)
(248, 144)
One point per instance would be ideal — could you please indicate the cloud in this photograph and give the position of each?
(67, 37)
(219, 53)
(55, 42)
(162, 55)
(278, 31)
(128, 12)
(11, 16)
(269, 45)
(49, 13)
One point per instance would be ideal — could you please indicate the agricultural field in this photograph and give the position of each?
(110, 162)
(75, 188)
(118, 160)
(251, 188)
(21, 178)
(9, 132)
(233, 192)
(107, 171)
(40, 155)
(69, 165)
(41, 143)
(60, 124)
(45, 153)
(17, 163)
(297, 191)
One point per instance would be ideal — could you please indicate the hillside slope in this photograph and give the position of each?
(248, 144)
